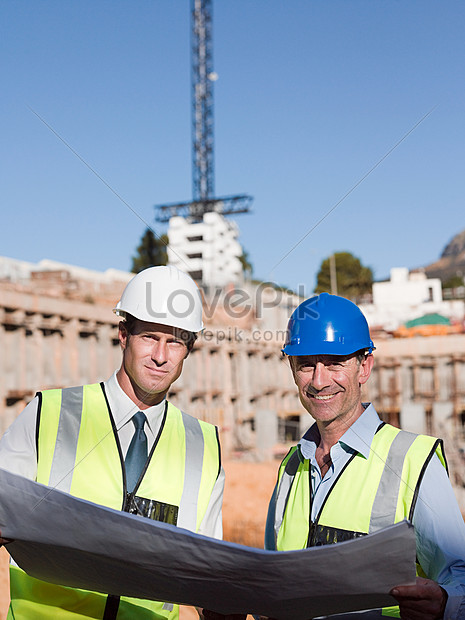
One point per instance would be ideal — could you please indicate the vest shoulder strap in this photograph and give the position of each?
(202, 456)
(284, 486)
(61, 429)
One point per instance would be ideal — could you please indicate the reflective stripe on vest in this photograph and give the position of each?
(79, 453)
(368, 495)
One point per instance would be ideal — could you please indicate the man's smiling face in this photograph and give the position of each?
(329, 385)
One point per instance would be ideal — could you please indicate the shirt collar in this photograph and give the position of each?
(123, 408)
(358, 436)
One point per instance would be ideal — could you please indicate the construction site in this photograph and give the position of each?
(57, 329)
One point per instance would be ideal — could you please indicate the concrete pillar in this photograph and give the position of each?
(104, 361)
(37, 353)
(22, 357)
(244, 372)
(443, 419)
(229, 423)
(443, 379)
(93, 367)
(407, 373)
(413, 418)
(71, 335)
(56, 344)
(266, 433)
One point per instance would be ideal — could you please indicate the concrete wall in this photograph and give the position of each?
(233, 371)
(47, 342)
(235, 377)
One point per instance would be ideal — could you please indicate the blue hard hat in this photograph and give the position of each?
(327, 325)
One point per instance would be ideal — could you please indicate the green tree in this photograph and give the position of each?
(150, 252)
(453, 282)
(247, 267)
(352, 278)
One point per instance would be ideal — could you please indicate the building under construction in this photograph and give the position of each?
(57, 329)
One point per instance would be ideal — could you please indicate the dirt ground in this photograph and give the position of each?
(247, 491)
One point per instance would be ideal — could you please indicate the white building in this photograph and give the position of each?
(407, 296)
(407, 289)
(14, 270)
(208, 250)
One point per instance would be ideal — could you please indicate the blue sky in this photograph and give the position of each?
(311, 95)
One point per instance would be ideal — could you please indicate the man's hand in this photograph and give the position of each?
(426, 600)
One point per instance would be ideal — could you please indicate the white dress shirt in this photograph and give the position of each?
(18, 452)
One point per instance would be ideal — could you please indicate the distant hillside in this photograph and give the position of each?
(452, 261)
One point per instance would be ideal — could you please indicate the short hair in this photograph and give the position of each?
(360, 355)
(186, 336)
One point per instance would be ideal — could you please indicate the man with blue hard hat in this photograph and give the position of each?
(351, 474)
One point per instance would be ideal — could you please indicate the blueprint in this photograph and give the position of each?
(73, 542)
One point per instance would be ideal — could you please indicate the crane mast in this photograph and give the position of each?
(203, 172)
(202, 101)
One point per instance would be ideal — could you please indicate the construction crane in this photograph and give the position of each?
(203, 172)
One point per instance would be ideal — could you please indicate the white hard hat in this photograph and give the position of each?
(164, 295)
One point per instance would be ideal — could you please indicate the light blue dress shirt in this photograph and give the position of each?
(439, 526)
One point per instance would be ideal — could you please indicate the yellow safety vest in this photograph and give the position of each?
(368, 495)
(78, 452)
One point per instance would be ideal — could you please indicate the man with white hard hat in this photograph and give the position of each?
(120, 443)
